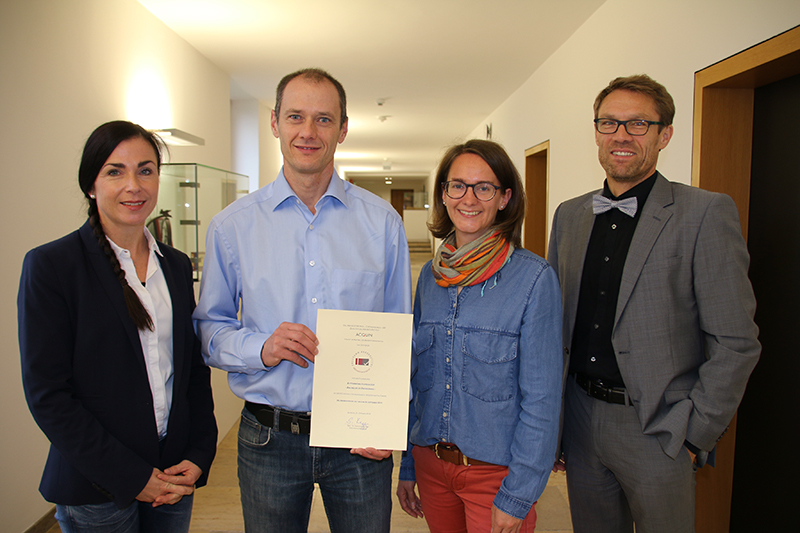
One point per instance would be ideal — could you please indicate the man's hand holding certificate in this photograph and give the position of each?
(361, 380)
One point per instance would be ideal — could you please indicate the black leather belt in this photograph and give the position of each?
(297, 422)
(596, 389)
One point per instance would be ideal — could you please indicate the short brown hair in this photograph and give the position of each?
(509, 220)
(316, 75)
(642, 84)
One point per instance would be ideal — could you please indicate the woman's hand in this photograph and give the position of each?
(160, 492)
(184, 473)
(502, 522)
(408, 499)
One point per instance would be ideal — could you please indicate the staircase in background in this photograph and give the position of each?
(417, 247)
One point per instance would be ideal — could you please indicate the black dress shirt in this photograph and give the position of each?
(592, 353)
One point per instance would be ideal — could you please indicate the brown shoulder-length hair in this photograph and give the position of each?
(508, 220)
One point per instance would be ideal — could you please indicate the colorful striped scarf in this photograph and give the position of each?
(473, 263)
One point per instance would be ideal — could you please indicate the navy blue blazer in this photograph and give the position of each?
(85, 380)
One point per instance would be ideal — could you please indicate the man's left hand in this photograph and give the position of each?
(371, 453)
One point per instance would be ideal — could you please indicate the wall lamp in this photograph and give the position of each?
(176, 137)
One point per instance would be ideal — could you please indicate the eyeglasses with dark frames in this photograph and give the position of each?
(635, 126)
(483, 190)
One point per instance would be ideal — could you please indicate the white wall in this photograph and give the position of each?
(415, 222)
(667, 40)
(67, 67)
(255, 150)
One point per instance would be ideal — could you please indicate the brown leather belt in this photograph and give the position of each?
(450, 453)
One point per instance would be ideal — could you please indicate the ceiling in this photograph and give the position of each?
(439, 66)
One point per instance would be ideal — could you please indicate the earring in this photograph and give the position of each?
(444, 203)
(91, 196)
(502, 206)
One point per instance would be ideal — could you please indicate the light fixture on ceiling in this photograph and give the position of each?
(176, 137)
(387, 165)
(383, 118)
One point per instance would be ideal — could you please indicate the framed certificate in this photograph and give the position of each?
(362, 377)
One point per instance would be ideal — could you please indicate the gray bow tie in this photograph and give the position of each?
(601, 204)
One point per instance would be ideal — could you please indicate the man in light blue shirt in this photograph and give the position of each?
(307, 241)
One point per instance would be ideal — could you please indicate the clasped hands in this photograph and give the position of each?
(169, 486)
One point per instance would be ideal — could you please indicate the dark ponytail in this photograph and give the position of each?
(101, 143)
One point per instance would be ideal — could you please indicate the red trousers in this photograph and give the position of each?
(458, 499)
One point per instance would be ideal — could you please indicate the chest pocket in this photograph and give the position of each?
(426, 358)
(491, 365)
(356, 290)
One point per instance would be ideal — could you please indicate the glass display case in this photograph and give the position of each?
(192, 194)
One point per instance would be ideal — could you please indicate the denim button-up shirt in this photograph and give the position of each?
(486, 374)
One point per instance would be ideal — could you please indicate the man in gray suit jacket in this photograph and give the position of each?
(659, 338)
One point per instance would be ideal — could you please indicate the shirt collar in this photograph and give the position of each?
(282, 191)
(152, 245)
(641, 191)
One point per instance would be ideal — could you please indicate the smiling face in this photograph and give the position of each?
(470, 216)
(629, 159)
(309, 128)
(126, 189)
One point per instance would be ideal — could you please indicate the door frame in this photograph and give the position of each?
(537, 185)
(722, 144)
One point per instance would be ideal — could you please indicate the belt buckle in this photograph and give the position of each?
(295, 425)
(598, 390)
(436, 451)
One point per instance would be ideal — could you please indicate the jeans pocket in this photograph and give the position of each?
(251, 433)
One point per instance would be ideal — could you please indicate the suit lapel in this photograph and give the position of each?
(573, 261)
(110, 284)
(654, 217)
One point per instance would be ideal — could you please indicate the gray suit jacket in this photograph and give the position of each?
(684, 335)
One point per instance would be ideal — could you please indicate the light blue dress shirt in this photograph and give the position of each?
(268, 252)
(487, 375)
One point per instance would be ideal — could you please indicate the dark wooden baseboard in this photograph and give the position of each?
(44, 524)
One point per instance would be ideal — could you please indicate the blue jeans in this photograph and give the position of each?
(277, 472)
(138, 517)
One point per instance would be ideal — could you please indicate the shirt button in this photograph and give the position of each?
(311, 226)
(613, 226)
(311, 263)
(606, 259)
(444, 414)
(454, 304)
(447, 359)
(593, 359)
(449, 332)
(597, 326)
(602, 293)
(313, 300)
(447, 386)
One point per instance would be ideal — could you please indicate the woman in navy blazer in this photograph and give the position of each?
(111, 366)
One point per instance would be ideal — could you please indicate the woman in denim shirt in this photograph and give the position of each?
(487, 362)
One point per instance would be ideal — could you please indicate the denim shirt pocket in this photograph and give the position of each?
(490, 365)
(426, 358)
